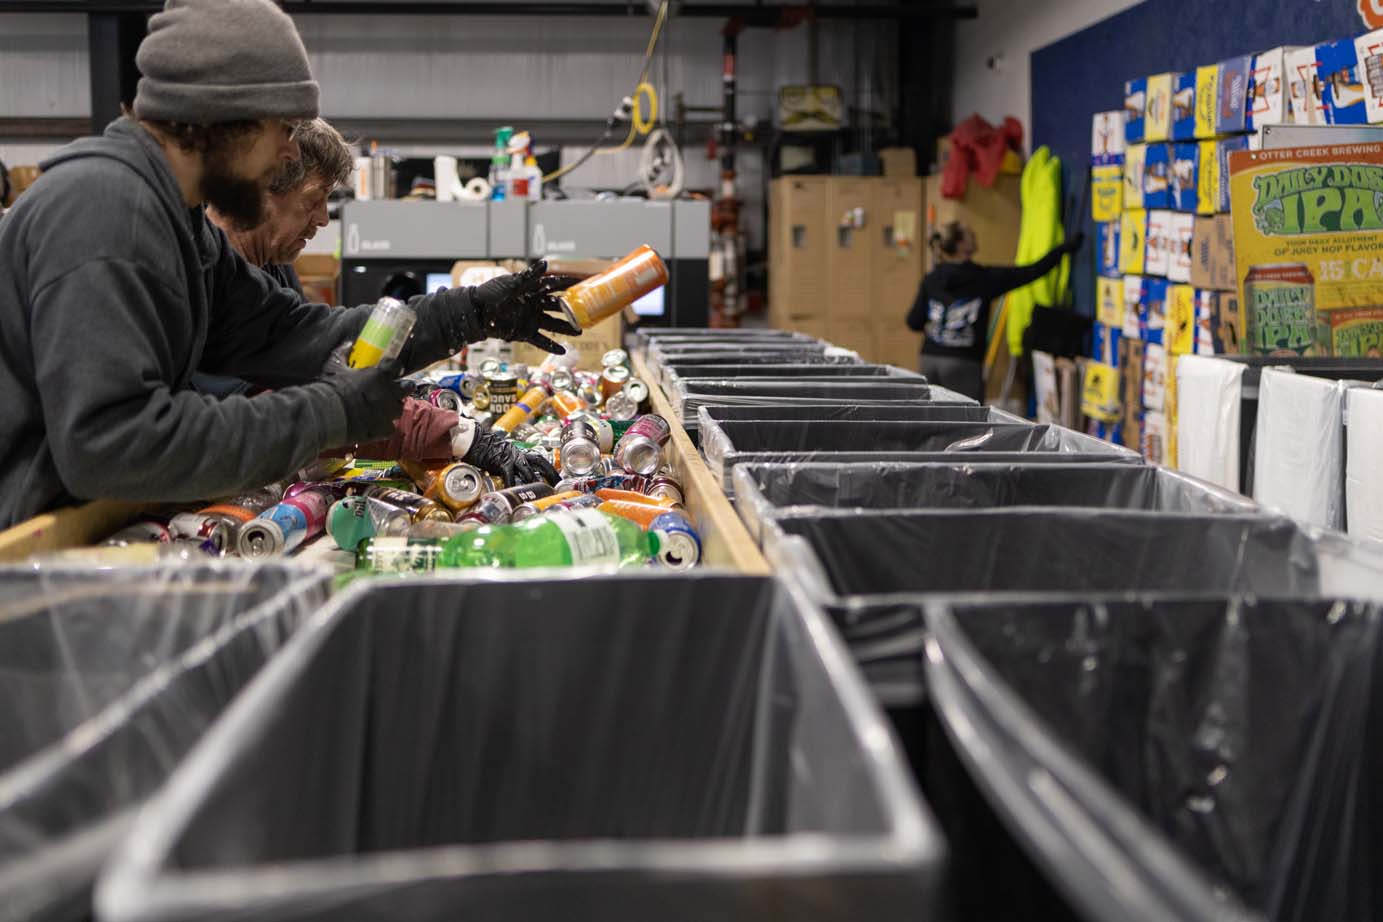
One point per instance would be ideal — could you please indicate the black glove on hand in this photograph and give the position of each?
(373, 397)
(1074, 243)
(493, 453)
(517, 307)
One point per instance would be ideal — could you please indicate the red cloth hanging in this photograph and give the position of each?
(978, 147)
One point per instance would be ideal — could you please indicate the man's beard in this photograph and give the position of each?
(241, 201)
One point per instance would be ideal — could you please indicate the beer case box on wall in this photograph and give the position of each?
(1109, 301)
(1153, 309)
(1135, 316)
(1184, 106)
(1267, 103)
(1179, 247)
(1154, 441)
(1207, 178)
(1308, 232)
(1231, 116)
(1100, 392)
(1368, 50)
(1223, 149)
(1179, 337)
(1206, 313)
(1227, 324)
(1207, 100)
(1157, 179)
(1157, 259)
(1135, 109)
(1107, 247)
(1305, 102)
(1131, 390)
(1212, 252)
(1105, 339)
(1157, 124)
(1106, 192)
(1337, 66)
(1185, 172)
(1154, 377)
(1133, 237)
(1134, 159)
(1107, 138)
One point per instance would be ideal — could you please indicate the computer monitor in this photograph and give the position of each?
(652, 304)
(436, 281)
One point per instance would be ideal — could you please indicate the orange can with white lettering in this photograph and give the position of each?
(592, 300)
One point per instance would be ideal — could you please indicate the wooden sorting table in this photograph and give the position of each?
(725, 543)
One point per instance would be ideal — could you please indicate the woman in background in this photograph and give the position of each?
(952, 306)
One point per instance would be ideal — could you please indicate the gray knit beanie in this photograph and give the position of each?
(209, 61)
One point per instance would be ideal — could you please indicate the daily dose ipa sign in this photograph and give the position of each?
(1308, 247)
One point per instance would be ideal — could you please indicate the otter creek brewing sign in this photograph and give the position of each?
(1308, 246)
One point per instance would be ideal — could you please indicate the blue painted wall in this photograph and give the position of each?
(1078, 76)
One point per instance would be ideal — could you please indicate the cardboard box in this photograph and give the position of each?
(1212, 253)
(1133, 237)
(1337, 66)
(1185, 172)
(994, 214)
(1109, 301)
(1268, 89)
(1180, 334)
(1207, 178)
(895, 344)
(1135, 318)
(1158, 257)
(1184, 106)
(797, 235)
(1106, 341)
(1100, 392)
(1107, 138)
(1107, 247)
(1134, 157)
(1305, 93)
(1227, 324)
(1368, 49)
(1153, 309)
(1154, 378)
(1157, 178)
(1157, 124)
(899, 162)
(1106, 192)
(589, 346)
(1205, 311)
(1179, 247)
(1135, 109)
(1223, 149)
(1207, 100)
(1154, 441)
(1131, 388)
(1232, 115)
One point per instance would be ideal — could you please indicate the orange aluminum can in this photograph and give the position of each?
(642, 514)
(523, 410)
(592, 300)
(565, 403)
(630, 496)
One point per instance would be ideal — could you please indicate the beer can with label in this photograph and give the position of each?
(640, 450)
(145, 531)
(282, 528)
(615, 358)
(355, 518)
(612, 380)
(503, 388)
(678, 544)
(459, 485)
(636, 390)
(529, 509)
(604, 430)
(445, 399)
(419, 507)
(580, 449)
(1280, 310)
(498, 508)
(621, 407)
(666, 488)
(218, 530)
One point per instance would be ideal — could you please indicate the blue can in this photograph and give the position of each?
(679, 546)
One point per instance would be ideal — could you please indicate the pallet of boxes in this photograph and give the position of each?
(846, 258)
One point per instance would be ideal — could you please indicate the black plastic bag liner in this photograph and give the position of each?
(619, 748)
(644, 337)
(673, 373)
(866, 412)
(107, 678)
(691, 394)
(685, 364)
(766, 491)
(1169, 758)
(735, 442)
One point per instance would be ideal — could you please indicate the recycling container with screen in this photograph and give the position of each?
(765, 491)
(107, 678)
(1193, 758)
(617, 748)
(735, 442)
(690, 394)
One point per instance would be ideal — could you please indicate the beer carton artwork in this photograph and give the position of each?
(1157, 176)
(1157, 124)
(1308, 240)
(1107, 247)
(1153, 309)
(1107, 138)
(1135, 109)
(1223, 150)
(1158, 257)
(1186, 160)
(1109, 301)
(1106, 192)
(1207, 100)
(1208, 178)
(1100, 392)
(1179, 241)
(1342, 87)
(1267, 103)
(1133, 236)
(1184, 106)
(1305, 92)
(1134, 156)
(1232, 115)
(1368, 50)
(1206, 311)
(1133, 308)
(1180, 335)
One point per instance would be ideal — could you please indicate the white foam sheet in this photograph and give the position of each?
(1363, 469)
(1299, 452)
(1208, 401)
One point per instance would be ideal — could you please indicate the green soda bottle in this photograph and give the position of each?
(559, 539)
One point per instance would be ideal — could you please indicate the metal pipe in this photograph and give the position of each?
(937, 9)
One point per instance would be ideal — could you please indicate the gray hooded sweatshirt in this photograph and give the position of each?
(112, 293)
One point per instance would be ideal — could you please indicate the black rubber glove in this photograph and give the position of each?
(1074, 243)
(493, 453)
(518, 307)
(373, 397)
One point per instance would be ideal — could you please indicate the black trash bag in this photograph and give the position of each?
(690, 394)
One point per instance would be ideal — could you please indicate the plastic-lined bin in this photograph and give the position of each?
(108, 677)
(765, 491)
(685, 748)
(644, 337)
(857, 562)
(687, 363)
(674, 372)
(904, 412)
(1159, 758)
(691, 394)
(735, 442)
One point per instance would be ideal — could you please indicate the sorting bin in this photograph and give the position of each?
(765, 491)
(691, 394)
(865, 412)
(617, 748)
(1202, 759)
(733, 442)
(107, 677)
(673, 373)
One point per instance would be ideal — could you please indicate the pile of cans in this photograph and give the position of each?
(396, 515)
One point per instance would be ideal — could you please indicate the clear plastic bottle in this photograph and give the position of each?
(558, 539)
(384, 335)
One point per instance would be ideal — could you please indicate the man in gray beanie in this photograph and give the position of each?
(114, 289)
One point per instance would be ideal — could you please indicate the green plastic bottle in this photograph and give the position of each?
(559, 539)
